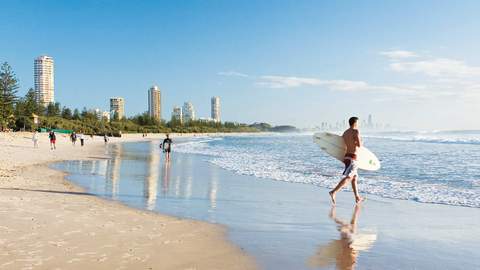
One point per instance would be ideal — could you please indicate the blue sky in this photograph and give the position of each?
(414, 64)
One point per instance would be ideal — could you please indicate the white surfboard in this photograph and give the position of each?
(335, 146)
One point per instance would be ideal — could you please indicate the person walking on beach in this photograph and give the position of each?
(353, 141)
(167, 147)
(73, 138)
(53, 139)
(105, 138)
(35, 139)
(82, 139)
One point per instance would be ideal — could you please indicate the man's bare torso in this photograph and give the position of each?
(352, 140)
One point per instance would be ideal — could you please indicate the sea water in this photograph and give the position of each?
(430, 167)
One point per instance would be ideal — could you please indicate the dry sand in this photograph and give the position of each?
(48, 223)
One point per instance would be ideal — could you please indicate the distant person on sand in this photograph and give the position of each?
(167, 147)
(105, 138)
(53, 139)
(73, 137)
(353, 141)
(82, 139)
(35, 139)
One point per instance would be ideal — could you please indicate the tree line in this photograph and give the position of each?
(16, 113)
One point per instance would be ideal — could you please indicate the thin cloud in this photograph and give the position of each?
(437, 67)
(277, 82)
(398, 54)
(232, 74)
(271, 81)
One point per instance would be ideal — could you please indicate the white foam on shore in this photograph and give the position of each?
(307, 165)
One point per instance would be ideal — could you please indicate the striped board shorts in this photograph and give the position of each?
(351, 166)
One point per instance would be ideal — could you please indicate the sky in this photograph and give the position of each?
(413, 64)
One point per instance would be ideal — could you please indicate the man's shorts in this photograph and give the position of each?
(351, 165)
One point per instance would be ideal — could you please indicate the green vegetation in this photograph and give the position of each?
(18, 114)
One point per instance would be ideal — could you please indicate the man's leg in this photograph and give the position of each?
(355, 189)
(339, 186)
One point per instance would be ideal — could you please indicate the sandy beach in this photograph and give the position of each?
(49, 223)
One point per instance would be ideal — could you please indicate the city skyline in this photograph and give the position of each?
(293, 61)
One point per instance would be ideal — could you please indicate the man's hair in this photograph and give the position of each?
(352, 120)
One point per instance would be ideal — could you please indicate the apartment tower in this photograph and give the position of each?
(188, 112)
(44, 80)
(155, 103)
(215, 109)
(117, 107)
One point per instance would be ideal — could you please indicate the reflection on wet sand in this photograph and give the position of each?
(166, 177)
(344, 251)
(115, 165)
(212, 190)
(151, 180)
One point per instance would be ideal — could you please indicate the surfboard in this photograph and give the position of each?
(334, 145)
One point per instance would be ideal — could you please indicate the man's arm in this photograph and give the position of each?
(358, 140)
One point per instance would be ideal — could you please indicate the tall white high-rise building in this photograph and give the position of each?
(117, 107)
(188, 112)
(177, 114)
(215, 109)
(44, 80)
(155, 102)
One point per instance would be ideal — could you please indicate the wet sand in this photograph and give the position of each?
(49, 223)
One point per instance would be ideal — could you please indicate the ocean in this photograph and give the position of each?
(429, 167)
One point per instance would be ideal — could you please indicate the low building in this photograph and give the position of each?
(177, 114)
(117, 107)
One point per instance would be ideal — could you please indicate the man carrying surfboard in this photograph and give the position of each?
(353, 141)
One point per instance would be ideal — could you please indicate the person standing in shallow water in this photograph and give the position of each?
(353, 141)
(167, 147)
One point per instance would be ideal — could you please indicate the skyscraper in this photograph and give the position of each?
(188, 112)
(177, 114)
(44, 82)
(117, 107)
(155, 102)
(370, 121)
(215, 109)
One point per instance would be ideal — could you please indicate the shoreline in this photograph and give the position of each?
(50, 222)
